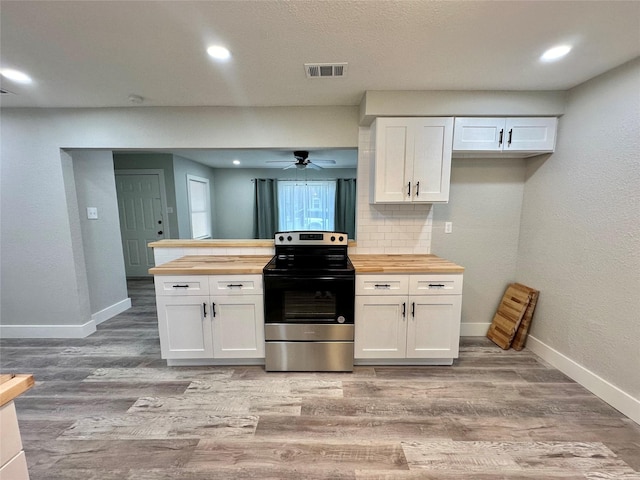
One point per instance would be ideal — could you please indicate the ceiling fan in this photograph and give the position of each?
(301, 160)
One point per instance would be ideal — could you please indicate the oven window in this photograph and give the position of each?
(303, 305)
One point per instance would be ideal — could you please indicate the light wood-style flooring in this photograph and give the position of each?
(106, 407)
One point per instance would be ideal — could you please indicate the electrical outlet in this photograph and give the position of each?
(92, 213)
(448, 227)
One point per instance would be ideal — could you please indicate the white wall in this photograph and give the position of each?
(580, 239)
(484, 208)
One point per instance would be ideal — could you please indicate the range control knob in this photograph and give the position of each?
(289, 238)
(333, 239)
(281, 238)
(340, 238)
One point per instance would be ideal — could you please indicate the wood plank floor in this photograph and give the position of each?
(107, 407)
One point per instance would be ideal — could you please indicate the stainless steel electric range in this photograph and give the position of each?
(309, 292)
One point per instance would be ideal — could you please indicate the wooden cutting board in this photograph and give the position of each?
(521, 335)
(508, 317)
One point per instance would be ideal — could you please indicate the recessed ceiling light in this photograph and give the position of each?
(236, 162)
(218, 52)
(555, 53)
(15, 75)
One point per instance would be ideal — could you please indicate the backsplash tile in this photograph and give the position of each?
(393, 229)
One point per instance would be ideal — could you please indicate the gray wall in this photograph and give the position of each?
(580, 234)
(234, 195)
(40, 234)
(484, 207)
(154, 161)
(181, 168)
(101, 242)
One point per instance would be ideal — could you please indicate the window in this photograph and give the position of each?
(306, 205)
(199, 206)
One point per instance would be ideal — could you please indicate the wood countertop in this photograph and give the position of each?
(12, 385)
(213, 265)
(253, 264)
(403, 264)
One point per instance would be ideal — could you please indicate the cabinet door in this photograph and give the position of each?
(433, 328)
(479, 134)
(381, 327)
(238, 326)
(185, 327)
(392, 145)
(530, 134)
(431, 162)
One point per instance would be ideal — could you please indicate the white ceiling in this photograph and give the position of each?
(97, 53)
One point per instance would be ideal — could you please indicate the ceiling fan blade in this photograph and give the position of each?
(314, 166)
(293, 165)
(278, 161)
(328, 162)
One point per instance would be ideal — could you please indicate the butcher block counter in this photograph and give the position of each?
(403, 264)
(244, 264)
(249, 264)
(213, 265)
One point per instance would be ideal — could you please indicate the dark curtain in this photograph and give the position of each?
(345, 220)
(265, 216)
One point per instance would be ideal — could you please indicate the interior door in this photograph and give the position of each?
(141, 219)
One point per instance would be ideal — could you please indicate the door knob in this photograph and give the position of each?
(160, 232)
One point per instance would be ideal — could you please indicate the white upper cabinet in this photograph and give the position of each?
(412, 159)
(520, 136)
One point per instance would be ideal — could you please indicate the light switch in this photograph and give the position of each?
(92, 213)
(448, 227)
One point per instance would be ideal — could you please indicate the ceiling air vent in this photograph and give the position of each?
(325, 70)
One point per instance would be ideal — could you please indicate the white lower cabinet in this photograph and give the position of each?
(13, 464)
(408, 318)
(238, 326)
(185, 329)
(212, 317)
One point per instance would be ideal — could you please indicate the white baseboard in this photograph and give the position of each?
(618, 399)
(474, 329)
(65, 331)
(48, 331)
(111, 311)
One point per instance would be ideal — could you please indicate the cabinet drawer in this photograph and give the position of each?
(11, 444)
(235, 284)
(181, 285)
(15, 469)
(382, 284)
(435, 284)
